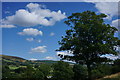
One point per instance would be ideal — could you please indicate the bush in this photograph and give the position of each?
(101, 70)
(80, 72)
(62, 71)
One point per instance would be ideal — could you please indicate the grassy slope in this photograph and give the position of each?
(111, 77)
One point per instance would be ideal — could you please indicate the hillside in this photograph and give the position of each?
(12, 58)
(16, 66)
(18, 61)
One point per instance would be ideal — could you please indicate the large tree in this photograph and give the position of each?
(88, 39)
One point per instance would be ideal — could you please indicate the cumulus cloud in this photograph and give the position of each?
(7, 26)
(49, 57)
(108, 8)
(52, 34)
(33, 6)
(35, 14)
(39, 49)
(31, 32)
(29, 39)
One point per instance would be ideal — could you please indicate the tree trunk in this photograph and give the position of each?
(89, 72)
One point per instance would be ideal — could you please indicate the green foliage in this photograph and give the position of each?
(62, 71)
(59, 71)
(38, 75)
(115, 69)
(80, 72)
(45, 69)
(116, 66)
(13, 67)
(20, 70)
(101, 70)
(117, 62)
(29, 72)
(88, 39)
(5, 71)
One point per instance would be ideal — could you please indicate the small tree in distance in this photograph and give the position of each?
(88, 39)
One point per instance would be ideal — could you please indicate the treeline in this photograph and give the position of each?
(59, 71)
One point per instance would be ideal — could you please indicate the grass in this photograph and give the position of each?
(23, 66)
(7, 60)
(13, 67)
(111, 77)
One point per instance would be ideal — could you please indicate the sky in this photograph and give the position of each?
(32, 30)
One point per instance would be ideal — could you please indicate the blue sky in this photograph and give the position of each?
(39, 39)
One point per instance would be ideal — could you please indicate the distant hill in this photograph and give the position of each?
(12, 57)
(18, 61)
(13, 60)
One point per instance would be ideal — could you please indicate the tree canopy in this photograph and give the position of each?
(88, 39)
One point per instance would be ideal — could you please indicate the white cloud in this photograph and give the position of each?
(7, 12)
(116, 48)
(33, 59)
(65, 53)
(39, 49)
(100, 0)
(7, 26)
(52, 34)
(113, 57)
(33, 39)
(115, 23)
(39, 41)
(31, 31)
(33, 5)
(108, 8)
(29, 39)
(35, 14)
(49, 57)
